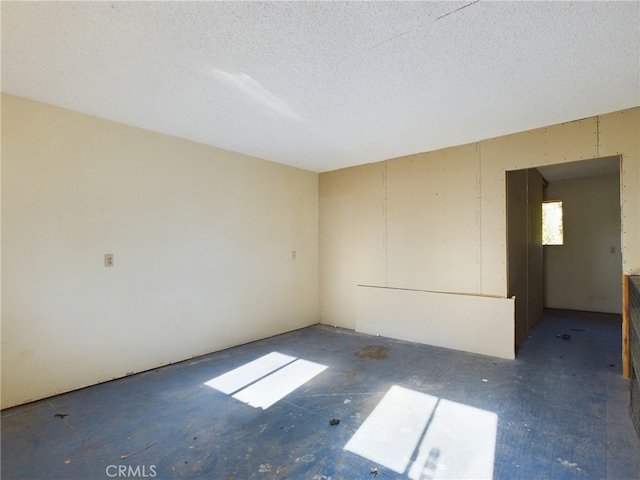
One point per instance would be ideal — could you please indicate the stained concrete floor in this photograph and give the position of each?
(560, 412)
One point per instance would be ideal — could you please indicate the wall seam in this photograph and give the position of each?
(597, 136)
(479, 152)
(386, 231)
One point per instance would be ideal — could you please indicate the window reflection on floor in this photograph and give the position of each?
(264, 381)
(453, 440)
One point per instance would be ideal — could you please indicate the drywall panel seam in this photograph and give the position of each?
(386, 229)
(466, 294)
(597, 136)
(479, 213)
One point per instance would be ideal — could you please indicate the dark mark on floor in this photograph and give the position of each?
(373, 352)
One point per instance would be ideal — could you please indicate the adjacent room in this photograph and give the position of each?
(320, 240)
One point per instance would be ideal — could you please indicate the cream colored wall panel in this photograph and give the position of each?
(494, 155)
(202, 241)
(338, 302)
(568, 142)
(352, 238)
(475, 324)
(370, 247)
(584, 273)
(571, 141)
(620, 134)
(338, 247)
(565, 142)
(474, 175)
(493, 235)
(433, 227)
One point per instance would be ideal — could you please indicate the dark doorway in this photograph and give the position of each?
(530, 277)
(524, 248)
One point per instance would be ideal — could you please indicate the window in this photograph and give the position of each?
(552, 223)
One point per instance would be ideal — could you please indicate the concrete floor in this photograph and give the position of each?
(559, 411)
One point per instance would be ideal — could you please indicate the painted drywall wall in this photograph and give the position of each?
(584, 273)
(436, 221)
(416, 316)
(387, 225)
(202, 240)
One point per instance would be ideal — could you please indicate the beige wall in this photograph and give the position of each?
(436, 221)
(584, 273)
(202, 240)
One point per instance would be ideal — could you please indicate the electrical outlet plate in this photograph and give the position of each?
(108, 259)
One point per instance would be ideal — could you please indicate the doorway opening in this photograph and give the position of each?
(583, 271)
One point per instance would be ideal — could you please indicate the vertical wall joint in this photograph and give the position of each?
(598, 136)
(480, 233)
(386, 230)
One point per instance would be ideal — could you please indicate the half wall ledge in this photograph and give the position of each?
(482, 324)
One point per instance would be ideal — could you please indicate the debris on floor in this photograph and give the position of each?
(308, 458)
(334, 421)
(148, 445)
(569, 464)
(61, 415)
(374, 472)
(564, 336)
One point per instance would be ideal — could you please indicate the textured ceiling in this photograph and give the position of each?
(324, 85)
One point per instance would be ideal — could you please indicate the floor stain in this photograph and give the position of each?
(373, 352)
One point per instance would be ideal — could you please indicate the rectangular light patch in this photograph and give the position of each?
(392, 431)
(270, 389)
(236, 379)
(460, 443)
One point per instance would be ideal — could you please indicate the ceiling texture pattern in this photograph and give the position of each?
(326, 85)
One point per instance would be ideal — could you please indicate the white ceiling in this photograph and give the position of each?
(325, 85)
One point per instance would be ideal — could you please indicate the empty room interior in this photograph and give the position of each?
(320, 240)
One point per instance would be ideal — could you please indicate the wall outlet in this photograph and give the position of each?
(108, 259)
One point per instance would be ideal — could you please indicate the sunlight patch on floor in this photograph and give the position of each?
(453, 440)
(240, 377)
(266, 380)
(392, 431)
